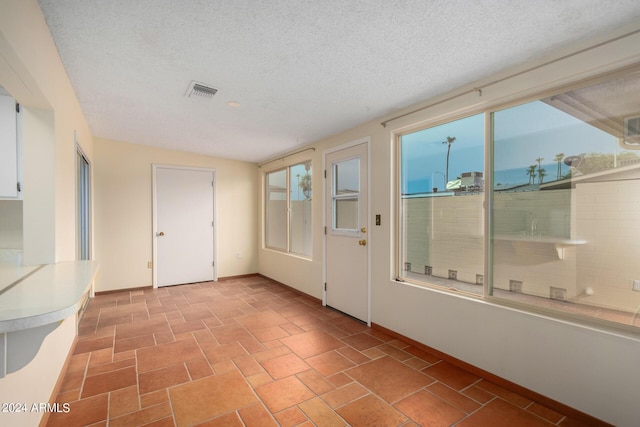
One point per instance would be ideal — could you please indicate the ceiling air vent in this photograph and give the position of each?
(200, 91)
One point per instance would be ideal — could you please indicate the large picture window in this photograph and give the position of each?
(288, 209)
(562, 195)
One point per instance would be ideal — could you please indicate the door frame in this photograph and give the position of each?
(154, 169)
(325, 220)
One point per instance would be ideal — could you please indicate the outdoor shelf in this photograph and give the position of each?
(559, 243)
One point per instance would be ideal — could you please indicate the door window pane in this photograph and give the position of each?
(346, 195)
(346, 214)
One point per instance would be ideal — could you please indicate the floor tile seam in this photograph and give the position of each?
(475, 383)
(507, 392)
(140, 408)
(453, 404)
(368, 393)
(109, 372)
(327, 405)
(173, 413)
(526, 409)
(460, 392)
(478, 409)
(258, 397)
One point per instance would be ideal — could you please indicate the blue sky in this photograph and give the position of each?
(522, 134)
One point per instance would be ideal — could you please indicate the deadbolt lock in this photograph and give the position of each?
(363, 230)
(160, 234)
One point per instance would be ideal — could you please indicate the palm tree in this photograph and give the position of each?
(449, 141)
(531, 171)
(558, 158)
(541, 174)
(305, 185)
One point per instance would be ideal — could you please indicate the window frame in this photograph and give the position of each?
(334, 230)
(488, 110)
(288, 191)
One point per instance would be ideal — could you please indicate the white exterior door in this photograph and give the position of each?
(183, 225)
(347, 254)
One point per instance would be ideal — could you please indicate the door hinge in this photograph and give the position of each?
(325, 173)
(19, 187)
(213, 263)
(17, 107)
(325, 230)
(325, 286)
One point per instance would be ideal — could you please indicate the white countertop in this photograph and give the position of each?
(43, 294)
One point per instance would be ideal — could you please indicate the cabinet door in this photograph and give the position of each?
(8, 148)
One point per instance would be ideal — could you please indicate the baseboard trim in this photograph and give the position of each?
(506, 384)
(56, 388)
(239, 276)
(113, 291)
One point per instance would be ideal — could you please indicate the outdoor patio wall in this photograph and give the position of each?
(588, 368)
(607, 218)
(534, 264)
(123, 212)
(445, 233)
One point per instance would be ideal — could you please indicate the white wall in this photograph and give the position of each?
(591, 369)
(123, 212)
(31, 71)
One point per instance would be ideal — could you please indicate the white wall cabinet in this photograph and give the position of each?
(8, 148)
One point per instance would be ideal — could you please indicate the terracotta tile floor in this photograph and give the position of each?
(251, 352)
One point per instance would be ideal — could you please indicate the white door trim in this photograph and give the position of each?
(154, 168)
(367, 141)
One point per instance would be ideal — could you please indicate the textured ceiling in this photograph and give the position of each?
(301, 70)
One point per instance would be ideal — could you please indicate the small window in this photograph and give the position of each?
(288, 209)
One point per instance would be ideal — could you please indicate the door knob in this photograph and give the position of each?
(362, 242)
(160, 234)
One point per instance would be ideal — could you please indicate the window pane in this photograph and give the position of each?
(442, 221)
(83, 205)
(346, 195)
(276, 223)
(566, 199)
(346, 177)
(300, 221)
(346, 213)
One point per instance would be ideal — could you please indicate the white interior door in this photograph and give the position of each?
(184, 226)
(347, 256)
